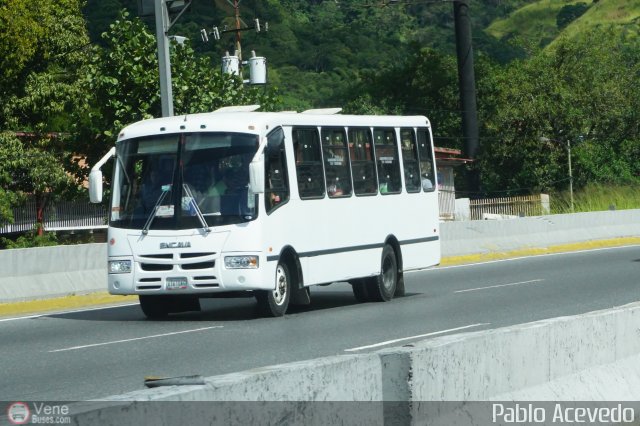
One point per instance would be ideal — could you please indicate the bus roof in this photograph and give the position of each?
(260, 122)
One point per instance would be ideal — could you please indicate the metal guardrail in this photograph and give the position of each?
(60, 216)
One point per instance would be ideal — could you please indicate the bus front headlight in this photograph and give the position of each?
(241, 262)
(119, 266)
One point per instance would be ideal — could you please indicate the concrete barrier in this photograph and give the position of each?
(485, 236)
(589, 357)
(43, 272)
(512, 361)
(59, 271)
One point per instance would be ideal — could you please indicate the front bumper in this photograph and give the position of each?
(184, 273)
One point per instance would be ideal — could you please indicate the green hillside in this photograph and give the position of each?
(539, 23)
(623, 14)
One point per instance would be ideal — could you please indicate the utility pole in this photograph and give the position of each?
(467, 86)
(161, 10)
(164, 61)
(236, 7)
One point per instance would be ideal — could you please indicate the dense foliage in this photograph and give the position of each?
(72, 74)
(62, 98)
(584, 92)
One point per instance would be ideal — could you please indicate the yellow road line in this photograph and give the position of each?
(62, 303)
(561, 248)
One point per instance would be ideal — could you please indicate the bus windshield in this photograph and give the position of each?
(179, 181)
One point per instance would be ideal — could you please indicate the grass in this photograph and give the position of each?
(536, 22)
(597, 198)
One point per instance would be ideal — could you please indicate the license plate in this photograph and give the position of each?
(177, 283)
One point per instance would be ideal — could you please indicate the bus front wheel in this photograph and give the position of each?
(274, 303)
(154, 307)
(382, 287)
(159, 307)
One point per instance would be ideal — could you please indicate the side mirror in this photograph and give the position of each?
(95, 177)
(256, 175)
(95, 186)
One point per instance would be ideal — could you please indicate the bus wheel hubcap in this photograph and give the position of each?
(281, 286)
(388, 274)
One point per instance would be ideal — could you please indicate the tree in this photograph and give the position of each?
(123, 82)
(570, 13)
(426, 83)
(26, 169)
(42, 57)
(583, 89)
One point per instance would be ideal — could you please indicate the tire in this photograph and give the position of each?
(360, 290)
(274, 303)
(154, 307)
(159, 307)
(383, 287)
(400, 289)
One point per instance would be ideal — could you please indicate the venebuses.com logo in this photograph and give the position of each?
(18, 413)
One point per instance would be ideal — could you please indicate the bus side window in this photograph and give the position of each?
(336, 162)
(426, 160)
(276, 180)
(410, 160)
(363, 167)
(306, 145)
(387, 160)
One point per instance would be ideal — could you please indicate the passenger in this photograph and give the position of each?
(335, 189)
(218, 188)
(234, 180)
(427, 185)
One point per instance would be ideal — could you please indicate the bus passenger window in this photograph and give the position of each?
(363, 167)
(306, 145)
(426, 160)
(336, 162)
(410, 160)
(386, 151)
(276, 179)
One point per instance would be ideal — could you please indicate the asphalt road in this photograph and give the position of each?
(96, 353)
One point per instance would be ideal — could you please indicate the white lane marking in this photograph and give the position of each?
(93, 345)
(499, 285)
(488, 262)
(74, 311)
(435, 333)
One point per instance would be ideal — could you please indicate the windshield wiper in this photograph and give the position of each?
(189, 194)
(165, 191)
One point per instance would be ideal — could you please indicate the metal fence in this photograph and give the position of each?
(59, 216)
(76, 215)
(506, 207)
(447, 203)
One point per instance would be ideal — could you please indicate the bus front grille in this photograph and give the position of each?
(199, 265)
(154, 267)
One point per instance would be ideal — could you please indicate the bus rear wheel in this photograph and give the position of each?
(382, 287)
(360, 290)
(274, 303)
